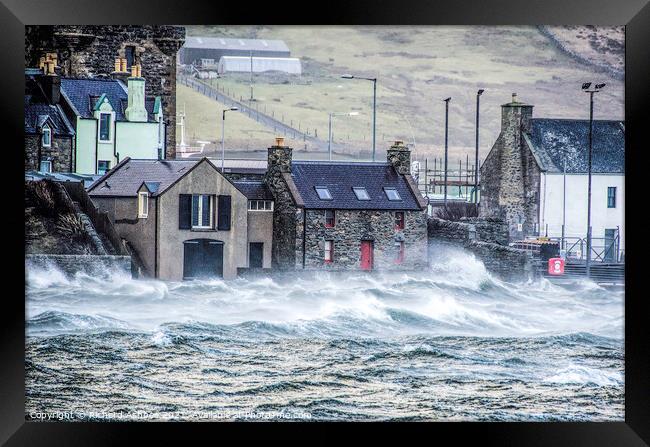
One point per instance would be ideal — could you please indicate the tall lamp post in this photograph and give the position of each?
(446, 144)
(478, 102)
(563, 246)
(586, 87)
(329, 139)
(223, 131)
(374, 107)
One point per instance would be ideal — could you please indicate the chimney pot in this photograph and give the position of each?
(279, 141)
(514, 97)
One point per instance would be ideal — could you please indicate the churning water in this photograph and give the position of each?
(450, 343)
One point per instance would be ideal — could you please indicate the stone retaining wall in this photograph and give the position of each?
(72, 264)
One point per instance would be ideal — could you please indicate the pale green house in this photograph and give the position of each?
(112, 121)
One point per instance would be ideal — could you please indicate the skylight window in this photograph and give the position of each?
(361, 193)
(392, 194)
(323, 193)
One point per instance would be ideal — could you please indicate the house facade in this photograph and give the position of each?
(112, 121)
(49, 136)
(537, 171)
(90, 51)
(346, 216)
(185, 220)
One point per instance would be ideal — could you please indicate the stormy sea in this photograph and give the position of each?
(449, 343)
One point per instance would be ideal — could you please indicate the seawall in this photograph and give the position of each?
(89, 264)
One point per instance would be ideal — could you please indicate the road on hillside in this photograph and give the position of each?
(262, 118)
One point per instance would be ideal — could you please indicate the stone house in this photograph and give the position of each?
(49, 136)
(536, 175)
(345, 215)
(90, 51)
(112, 121)
(185, 219)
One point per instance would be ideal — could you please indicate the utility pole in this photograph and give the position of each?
(446, 145)
(374, 108)
(585, 88)
(251, 75)
(478, 102)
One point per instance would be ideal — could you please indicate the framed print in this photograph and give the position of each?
(410, 215)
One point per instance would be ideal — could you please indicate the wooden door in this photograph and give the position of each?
(366, 255)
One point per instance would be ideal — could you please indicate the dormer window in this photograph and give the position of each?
(104, 127)
(143, 204)
(323, 193)
(392, 194)
(47, 136)
(361, 193)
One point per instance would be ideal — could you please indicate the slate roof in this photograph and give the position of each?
(253, 189)
(341, 177)
(83, 94)
(38, 109)
(125, 179)
(549, 138)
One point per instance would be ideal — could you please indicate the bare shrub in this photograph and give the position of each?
(455, 211)
(43, 195)
(72, 226)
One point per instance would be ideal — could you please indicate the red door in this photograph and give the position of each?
(366, 255)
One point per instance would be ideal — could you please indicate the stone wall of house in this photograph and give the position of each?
(354, 226)
(286, 251)
(60, 153)
(510, 175)
(90, 51)
(72, 264)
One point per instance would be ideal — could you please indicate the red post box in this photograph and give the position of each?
(556, 266)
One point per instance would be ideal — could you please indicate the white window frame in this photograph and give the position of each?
(110, 125)
(267, 205)
(200, 211)
(143, 204)
(328, 255)
(40, 165)
(46, 130)
(358, 189)
(386, 189)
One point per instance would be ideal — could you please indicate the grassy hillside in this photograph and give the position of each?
(416, 67)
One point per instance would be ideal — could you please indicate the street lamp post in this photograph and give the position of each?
(446, 144)
(329, 138)
(223, 131)
(374, 108)
(586, 88)
(478, 101)
(564, 202)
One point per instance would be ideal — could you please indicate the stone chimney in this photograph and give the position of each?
(136, 110)
(50, 81)
(516, 116)
(400, 157)
(279, 156)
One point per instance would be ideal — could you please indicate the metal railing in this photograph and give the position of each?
(606, 250)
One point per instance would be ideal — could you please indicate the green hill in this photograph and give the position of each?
(416, 68)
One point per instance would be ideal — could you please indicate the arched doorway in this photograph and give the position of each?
(202, 258)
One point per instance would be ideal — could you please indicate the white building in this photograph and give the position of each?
(234, 64)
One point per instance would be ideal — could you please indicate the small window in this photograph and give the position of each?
(329, 252)
(323, 193)
(129, 54)
(330, 218)
(47, 136)
(104, 126)
(399, 220)
(45, 166)
(361, 193)
(103, 166)
(392, 194)
(143, 204)
(260, 205)
(611, 197)
(201, 211)
(399, 252)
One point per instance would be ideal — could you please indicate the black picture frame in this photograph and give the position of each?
(14, 14)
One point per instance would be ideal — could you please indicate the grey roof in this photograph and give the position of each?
(253, 189)
(83, 95)
(550, 138)
(38, 110)
(125, 179)
(341, 177)
(87, 179)
(235, 44)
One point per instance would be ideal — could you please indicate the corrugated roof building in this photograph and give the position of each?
(214, 48)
